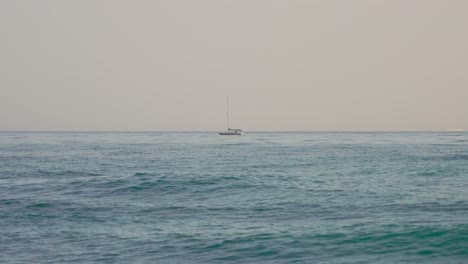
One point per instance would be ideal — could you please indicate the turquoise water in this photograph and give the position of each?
(260, 198)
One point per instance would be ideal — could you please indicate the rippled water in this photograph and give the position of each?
(260, 198)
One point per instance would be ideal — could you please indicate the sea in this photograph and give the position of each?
(265, 197)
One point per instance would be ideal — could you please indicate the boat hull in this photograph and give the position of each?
(230, 134)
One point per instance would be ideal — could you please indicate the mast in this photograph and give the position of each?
(227, 111)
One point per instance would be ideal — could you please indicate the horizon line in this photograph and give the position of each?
(215, 131)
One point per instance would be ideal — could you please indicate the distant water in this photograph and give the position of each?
(260, 198)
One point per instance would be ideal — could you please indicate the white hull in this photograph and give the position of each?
(231, 133)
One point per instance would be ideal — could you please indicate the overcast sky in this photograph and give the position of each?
(286, 65)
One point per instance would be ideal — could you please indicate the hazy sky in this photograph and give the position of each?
(286, 65)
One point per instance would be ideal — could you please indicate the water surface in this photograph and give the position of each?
(259, 198)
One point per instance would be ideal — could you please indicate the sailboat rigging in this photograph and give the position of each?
(230, 131)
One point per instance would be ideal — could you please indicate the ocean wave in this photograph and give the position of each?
(275, 198)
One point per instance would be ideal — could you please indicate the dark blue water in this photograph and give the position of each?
(259, 198)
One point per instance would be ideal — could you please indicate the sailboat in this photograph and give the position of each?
(231, 131)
